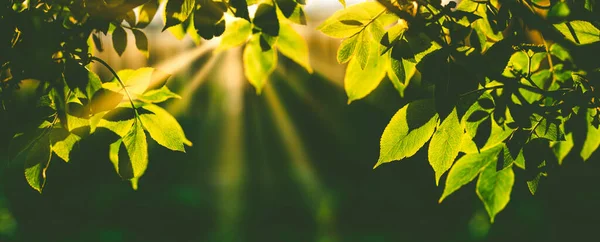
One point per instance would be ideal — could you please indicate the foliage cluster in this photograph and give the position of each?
(495, 87)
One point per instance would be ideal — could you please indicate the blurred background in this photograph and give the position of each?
(293, 164)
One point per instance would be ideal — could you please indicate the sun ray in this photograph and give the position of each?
(316, 194)
(231, 168)
(190, 88)
(182, 61)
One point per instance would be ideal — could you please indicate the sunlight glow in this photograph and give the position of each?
(231, 169)
(198, 79)
(314, 191)
(180, 62)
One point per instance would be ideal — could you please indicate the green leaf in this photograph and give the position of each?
(22, 142)
(119, 38)
(93, 85)
(347, 49)
(265, 19)
(164, 128)
(137, 151)
(368, 42)
(400, 72)
(136, 81)
(445, 145)
(560, 10)
(159, 95)
(258, 63)
(236, 33)
(592, 140)
(408, 131)
(359, 82)
(583, 32)
(293, 45)
(510, 158)
(536, 60)
(549, 130)
(113, 153)
(37, 162)
(119, 120)
(292, 10)
(141, 42)
(346, 22)
(560, 52)
(562, 148)
(467, 168)
(494, 188)
(63, 142)
(177, 11)
(147, 13)
(518, 63)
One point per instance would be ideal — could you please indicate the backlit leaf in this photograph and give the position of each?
(346, 22)
(410, 128)
(359, 81)
(147, 13)
(293, 45)
(159, 95)
(63, 142)
(592, 140)
(494, 188)
(177, 11)
(164, 128)
(347, 49)
(37, 162)
(584, 32)
(236, 33)
(445, 145)
(467, 168)
(258, 63)
(137, 151)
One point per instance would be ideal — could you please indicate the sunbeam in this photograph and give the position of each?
(303, 171)
(180, 62)
(198, 79)
(230, 169)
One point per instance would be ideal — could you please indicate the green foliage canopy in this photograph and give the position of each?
(498, 88)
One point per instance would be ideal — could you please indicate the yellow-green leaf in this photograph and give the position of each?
(359, 82)
(236, 33)
(293, 45)
(159, 95)
(163, 128)
(347, 49)
(147, 13)
(410, 128)
(258, 63)
(177, 11)
(592, 139)
(346, 22)
(63, 142)
(37, 162)
(445, 145)
(494, 188)
(583, 32)
(137, 151)
(467, 168)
